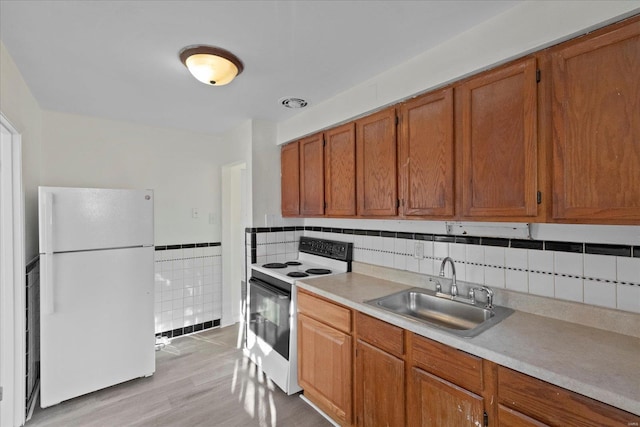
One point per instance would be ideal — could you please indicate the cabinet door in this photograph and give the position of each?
(379, 384)
(312, 175)
(290, 179)
(340, 171)
(499, 143)
(553, 405)
(596, 123)
(510, 418)
(425, 160)
(376, 164)
(435, 402)
(324, 367)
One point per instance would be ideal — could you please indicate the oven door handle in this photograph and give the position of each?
(270, 289)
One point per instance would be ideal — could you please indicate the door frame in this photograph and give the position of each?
(12, 278)
(234, 217)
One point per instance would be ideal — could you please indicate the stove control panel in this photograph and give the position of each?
(342, 251)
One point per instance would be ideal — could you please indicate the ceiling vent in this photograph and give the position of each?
(291, 102)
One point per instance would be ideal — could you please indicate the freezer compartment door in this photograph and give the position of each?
(96, 322)
(74, 219)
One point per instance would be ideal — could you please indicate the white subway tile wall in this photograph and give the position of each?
(602, 280)
(188, 287)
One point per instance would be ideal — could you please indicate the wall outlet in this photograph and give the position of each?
(195, 214)
(418, 251)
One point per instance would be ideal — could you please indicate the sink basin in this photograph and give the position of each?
(439, 310)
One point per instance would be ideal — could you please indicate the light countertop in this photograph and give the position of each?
(599, 364)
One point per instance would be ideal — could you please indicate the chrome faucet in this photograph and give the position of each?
(454, 285)
(472, 295)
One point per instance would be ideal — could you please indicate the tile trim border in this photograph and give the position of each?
(629, 251)
(198, 327)
(571, 247)
(187, 246)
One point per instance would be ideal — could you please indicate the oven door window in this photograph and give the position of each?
(269, 315)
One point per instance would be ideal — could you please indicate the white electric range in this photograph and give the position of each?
(271, 341)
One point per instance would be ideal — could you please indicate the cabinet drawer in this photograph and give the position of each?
(454, 365)
(554, 405)
(380, 334)
(325, 311)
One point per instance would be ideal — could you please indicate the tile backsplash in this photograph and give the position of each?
(188, 287)
(606, 275)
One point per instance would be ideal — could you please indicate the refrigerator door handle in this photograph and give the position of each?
(48, 222)
(47, 288)
(46, 285)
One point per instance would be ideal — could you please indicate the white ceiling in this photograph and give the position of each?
(119, 59)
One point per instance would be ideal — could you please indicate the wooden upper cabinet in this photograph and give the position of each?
(290, 179)
(312, 175)
(499, 147)
(340, 171)
(596, 127)
(376, 156)
(425, 159)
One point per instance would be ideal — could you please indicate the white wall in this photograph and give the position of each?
(522, 29)
(265, 169)
(21, 108)
(183, 169)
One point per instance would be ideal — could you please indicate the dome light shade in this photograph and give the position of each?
(211, 65)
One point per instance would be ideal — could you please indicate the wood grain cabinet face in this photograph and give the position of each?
(379, 373)
(325, 355)
(325, 367)
(376, 156)
(290, 179)
(596, 124)
(379, 386)
(499, 142)
(533, 399)
(425, 159)
(434, 401)
(340, 171)
(312, 175)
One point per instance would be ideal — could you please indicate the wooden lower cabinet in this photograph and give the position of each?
(509, 418)
(324, 367)
(446, 386)
(434, 401)
(325, 355)
(529, 398)
(380, 373)
(398, 378)
(379, 387)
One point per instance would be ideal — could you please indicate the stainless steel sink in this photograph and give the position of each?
(457, 316)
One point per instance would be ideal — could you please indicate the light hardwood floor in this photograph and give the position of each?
(200, 380)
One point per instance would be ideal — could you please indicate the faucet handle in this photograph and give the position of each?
(438, 285)
(472, 295)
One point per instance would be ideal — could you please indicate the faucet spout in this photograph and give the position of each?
(454, 285)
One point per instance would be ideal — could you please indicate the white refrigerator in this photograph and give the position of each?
(96, 289)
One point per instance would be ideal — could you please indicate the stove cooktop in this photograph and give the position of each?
(316, 257)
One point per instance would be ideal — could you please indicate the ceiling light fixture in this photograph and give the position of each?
(211, 65)
(291, 102)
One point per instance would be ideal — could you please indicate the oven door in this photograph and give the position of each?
(269, 315)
